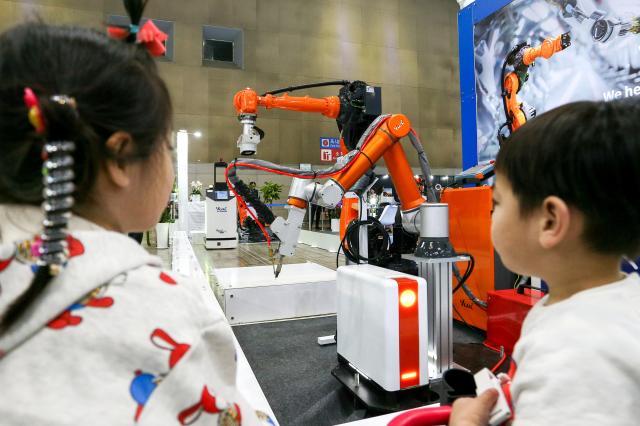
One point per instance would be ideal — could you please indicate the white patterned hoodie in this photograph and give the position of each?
(113, 340)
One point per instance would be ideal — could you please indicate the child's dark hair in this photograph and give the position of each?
(588, 154)
(116, 87)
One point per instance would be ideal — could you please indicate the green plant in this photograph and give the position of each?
(270, 191)
(167, 216)
(196, 188)
(334, 213)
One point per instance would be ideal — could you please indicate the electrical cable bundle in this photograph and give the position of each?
(462, 281)
(307, 86)
(232, 179)
(264, 213)
(350, 244)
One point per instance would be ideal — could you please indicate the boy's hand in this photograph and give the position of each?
(504, 378)
(473, 411)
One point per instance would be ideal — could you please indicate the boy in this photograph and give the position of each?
(567, 209)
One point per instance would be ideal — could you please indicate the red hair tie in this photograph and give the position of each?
(35, 111)
(150, 36)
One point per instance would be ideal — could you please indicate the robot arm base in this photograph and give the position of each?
(411, 220)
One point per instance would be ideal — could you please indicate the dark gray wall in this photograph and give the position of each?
(409, 47)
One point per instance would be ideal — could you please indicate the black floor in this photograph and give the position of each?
(295, 372)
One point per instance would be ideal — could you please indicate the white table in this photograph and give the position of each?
(184, 262)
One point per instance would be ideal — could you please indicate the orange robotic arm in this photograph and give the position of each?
(515, 110)
(247, 101)
(547, 49)
(385, 144)
(521, 58)
(381, 143)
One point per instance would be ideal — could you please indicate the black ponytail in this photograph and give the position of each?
(134, 8)
(40, 281)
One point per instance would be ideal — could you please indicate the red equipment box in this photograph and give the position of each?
(506, 311)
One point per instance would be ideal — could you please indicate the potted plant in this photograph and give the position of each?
(196, 191)
(334, 215)
(162, 228)
(270, 192)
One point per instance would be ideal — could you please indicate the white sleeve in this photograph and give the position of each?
(577, 373)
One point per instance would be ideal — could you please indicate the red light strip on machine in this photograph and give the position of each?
(408, 332)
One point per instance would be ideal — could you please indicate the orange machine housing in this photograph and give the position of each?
(470, 232)
(350, 212)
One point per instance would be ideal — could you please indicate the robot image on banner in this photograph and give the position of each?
(521, 58)
(414, 332)
(600, 60)
(220, 210)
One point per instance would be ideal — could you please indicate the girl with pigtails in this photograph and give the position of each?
(92, 330)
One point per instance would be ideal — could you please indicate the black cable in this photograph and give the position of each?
(467, 273)
(462, 281)
(307, 86)
(351, 241)
(338, 254)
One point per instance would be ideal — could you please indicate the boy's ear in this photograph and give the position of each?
(119, 145)
(555, 221)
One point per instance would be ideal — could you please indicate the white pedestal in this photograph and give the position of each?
(323, 240)
(253, 294)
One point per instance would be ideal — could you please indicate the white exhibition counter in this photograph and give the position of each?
(184, 262)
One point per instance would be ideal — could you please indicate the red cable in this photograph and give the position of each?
(279, 172)
(426, 416)
(501, 360)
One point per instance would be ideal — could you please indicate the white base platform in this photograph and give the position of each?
(325, 241)
(253, 294)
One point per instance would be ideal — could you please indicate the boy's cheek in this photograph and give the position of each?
(500, 235)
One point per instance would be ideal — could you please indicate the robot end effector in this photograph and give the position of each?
(246, 103)
(300, 195)
(251, 135)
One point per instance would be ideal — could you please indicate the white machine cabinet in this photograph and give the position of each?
(382, 325)
(221, 213)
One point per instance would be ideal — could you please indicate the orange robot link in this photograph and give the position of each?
(384, 143)
(547, 49)
(521, 58)
(247, 101)
(517, 116)
(297, 202)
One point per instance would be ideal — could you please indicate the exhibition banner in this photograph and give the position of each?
(602, 61)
